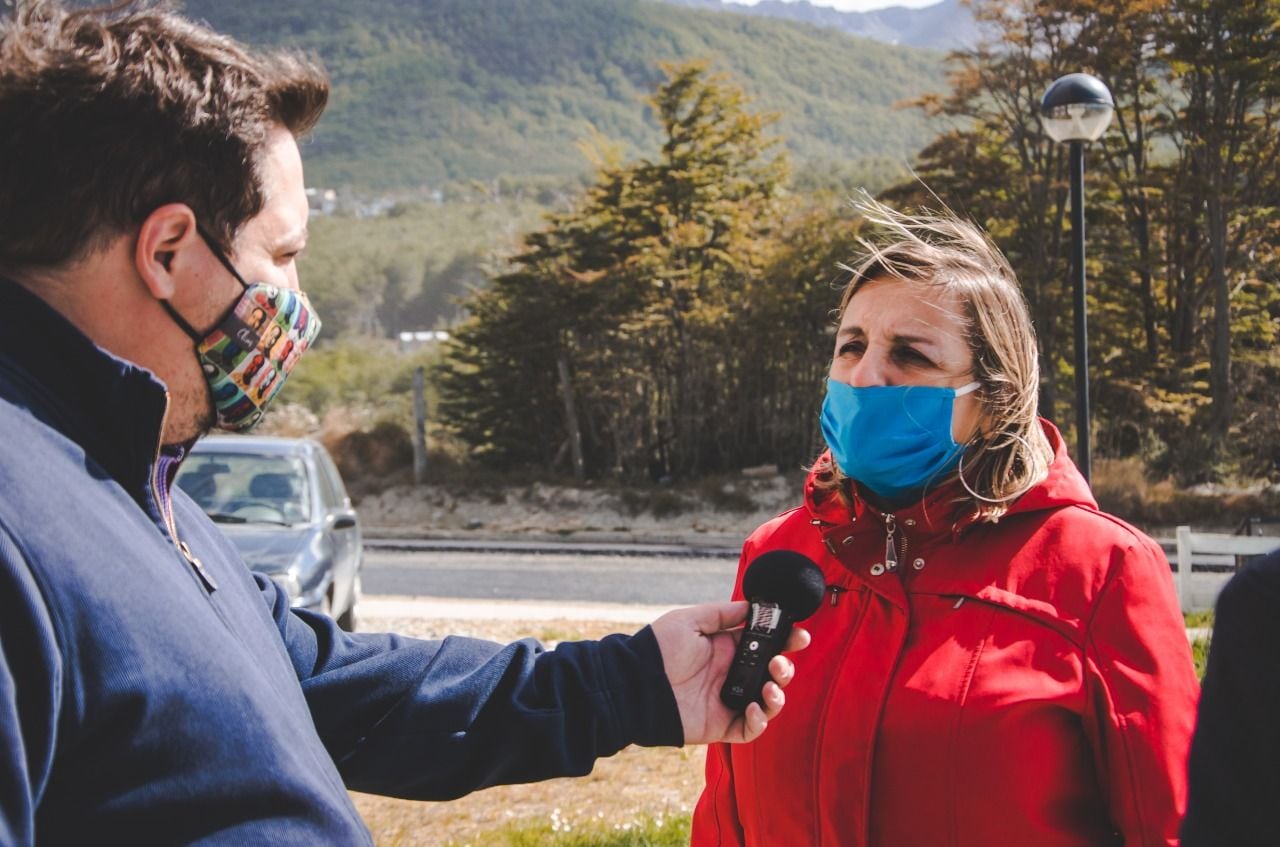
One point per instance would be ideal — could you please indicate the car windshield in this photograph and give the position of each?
(247, 488)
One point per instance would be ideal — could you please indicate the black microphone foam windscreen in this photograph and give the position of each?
(787, 578)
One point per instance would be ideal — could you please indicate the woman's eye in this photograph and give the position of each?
(912, 357)
(852, 347)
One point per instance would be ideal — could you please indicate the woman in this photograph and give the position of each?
(996, 662)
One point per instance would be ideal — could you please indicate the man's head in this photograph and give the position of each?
(109, 116)
(128, 133)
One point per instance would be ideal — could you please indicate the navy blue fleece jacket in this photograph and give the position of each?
(153, 690)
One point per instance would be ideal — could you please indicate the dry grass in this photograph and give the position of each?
(636, 784)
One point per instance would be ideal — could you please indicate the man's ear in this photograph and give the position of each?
(165, 241)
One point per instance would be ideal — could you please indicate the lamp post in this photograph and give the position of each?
(1078, 108)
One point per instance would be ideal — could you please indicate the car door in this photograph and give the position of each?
(343, 528)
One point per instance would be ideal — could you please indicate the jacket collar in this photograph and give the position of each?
(938, 511)
(111, 407)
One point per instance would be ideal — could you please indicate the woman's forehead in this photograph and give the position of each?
(896, 306)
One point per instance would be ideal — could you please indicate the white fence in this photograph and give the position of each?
(1206, 560)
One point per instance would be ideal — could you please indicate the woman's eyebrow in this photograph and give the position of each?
(850, 332)
(932, 344)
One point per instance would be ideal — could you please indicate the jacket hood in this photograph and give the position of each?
(938, 509)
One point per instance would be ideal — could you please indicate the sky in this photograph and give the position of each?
(855, 5)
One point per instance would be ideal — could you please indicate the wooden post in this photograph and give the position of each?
(571, 415)
(419, 427)
(1183, 540)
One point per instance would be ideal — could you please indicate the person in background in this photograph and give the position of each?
(153, 690)
(997, 662)
(1235, 752)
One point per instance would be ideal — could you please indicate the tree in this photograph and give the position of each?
(640, 294)
(1181, 206)
(1225, 56)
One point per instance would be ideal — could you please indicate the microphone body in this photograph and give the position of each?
(783, 587)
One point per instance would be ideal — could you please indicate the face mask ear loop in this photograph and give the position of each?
(186, 327)
(221, 256)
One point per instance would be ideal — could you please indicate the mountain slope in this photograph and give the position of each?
(427, 91)
(946, 25)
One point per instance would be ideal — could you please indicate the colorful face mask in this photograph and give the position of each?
(252, 348)
(894, 439)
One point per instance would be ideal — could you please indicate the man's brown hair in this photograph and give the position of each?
(107, 114)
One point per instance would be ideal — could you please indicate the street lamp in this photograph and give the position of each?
(1078, 108)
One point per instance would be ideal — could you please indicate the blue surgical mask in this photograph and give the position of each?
(893, 439)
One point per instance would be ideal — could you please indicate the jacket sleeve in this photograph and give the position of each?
(1142, 691)
(1234, 772)
(30, 682)
(715, 818)
(437, 719)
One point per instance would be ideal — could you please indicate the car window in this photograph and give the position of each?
(247, 487)
(333, 479)
(328, 495)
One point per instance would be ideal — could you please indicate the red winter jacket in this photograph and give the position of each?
(1021, 683)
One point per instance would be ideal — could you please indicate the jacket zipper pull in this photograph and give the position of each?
(890, 551)
(835, 594)
(205, 579)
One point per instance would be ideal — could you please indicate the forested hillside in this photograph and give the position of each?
(945, 25)
(431, 91)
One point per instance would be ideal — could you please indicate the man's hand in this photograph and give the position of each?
(697, 647)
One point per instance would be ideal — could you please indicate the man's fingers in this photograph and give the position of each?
(717, 617)
(754, 722)
(782, 670)
(798, 641)
(774, 700)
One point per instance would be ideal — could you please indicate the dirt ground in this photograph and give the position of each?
(724, 510)
(638, 783)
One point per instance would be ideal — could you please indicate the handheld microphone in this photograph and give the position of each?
(783, 587)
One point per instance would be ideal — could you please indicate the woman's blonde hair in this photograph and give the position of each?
(1009, 453)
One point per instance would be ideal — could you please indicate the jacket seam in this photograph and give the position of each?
(816, 774)
(51, 609)
(963, 702)
(1104, 672)
(718, 813)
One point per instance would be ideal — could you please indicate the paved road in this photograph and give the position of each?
(597, 577)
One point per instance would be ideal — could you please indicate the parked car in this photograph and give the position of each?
(283, 504)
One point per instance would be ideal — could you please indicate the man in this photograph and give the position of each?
(151, 688)
(1234, 768)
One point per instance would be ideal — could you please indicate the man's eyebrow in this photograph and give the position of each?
(295, 239)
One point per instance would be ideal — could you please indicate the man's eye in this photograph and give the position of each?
(852, 347)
